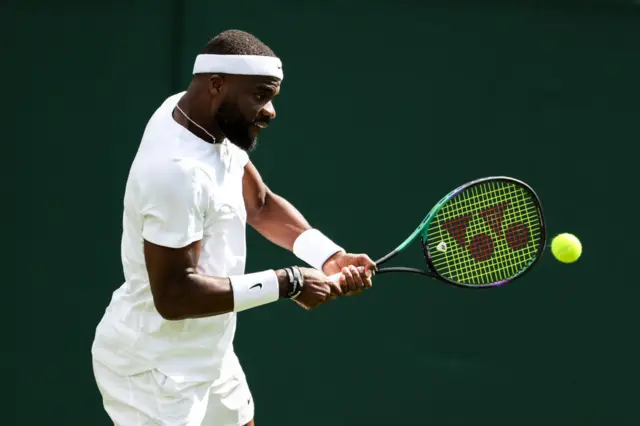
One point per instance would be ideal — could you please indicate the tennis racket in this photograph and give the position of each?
(485, 233)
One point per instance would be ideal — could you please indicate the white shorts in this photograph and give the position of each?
(151, 398)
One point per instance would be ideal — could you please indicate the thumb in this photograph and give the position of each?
(368, 264)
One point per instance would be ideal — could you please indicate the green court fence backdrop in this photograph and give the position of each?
(386, 105)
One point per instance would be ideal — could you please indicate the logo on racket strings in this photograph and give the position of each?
(482, 246)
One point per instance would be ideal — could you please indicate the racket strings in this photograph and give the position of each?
(491, 232)
(516, 236)
(504, 263)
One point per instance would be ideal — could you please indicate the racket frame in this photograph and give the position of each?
(420, 231)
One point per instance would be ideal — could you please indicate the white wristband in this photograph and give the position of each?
(255, 289)
(313, 247)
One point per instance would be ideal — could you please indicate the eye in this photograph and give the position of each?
(260, 97)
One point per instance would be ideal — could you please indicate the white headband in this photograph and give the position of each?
(238, 64)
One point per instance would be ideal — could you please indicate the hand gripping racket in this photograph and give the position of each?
(485, 233)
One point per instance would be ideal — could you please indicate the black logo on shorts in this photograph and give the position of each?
(259, 285)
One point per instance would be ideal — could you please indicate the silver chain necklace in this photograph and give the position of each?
(225, 148)
(196, 124)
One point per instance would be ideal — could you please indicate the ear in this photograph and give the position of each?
(215, 84)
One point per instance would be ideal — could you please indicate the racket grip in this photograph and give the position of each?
(335, 278)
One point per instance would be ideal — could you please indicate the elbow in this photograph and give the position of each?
(187, 299)
(169, 303)
(171, 315)
(168, 310)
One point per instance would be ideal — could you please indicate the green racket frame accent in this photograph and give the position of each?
(419, 230)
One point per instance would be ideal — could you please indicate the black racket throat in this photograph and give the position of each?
(387, 257)
(404, 269)
(388, 269)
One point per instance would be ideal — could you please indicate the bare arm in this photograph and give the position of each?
(268, 213)
(281, 223)
(174, 205)
(179, 292)
(174, 200)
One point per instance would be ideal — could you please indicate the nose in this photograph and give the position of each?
(269, 110)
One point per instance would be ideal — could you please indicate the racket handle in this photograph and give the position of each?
(335, 278)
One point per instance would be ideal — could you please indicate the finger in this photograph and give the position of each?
(368, 283)
(333, 294)
(342, 282)
(349, 279)
(367, 279)
(357, 274)
(335, 290)
(326, 292)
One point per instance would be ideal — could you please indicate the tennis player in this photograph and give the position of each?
(163, 351)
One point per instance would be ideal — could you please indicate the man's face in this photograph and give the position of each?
(246, 108)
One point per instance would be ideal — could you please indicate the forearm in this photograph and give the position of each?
(279, 221)
(199, 296)
(282, 224)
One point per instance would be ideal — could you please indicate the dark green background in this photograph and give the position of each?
(377, 96)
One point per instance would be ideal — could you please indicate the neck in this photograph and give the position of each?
(195, 109)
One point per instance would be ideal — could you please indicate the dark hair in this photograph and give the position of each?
(237, 42)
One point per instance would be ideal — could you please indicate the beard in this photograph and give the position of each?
(235, 126)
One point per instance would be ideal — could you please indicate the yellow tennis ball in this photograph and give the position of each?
(566, 248)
